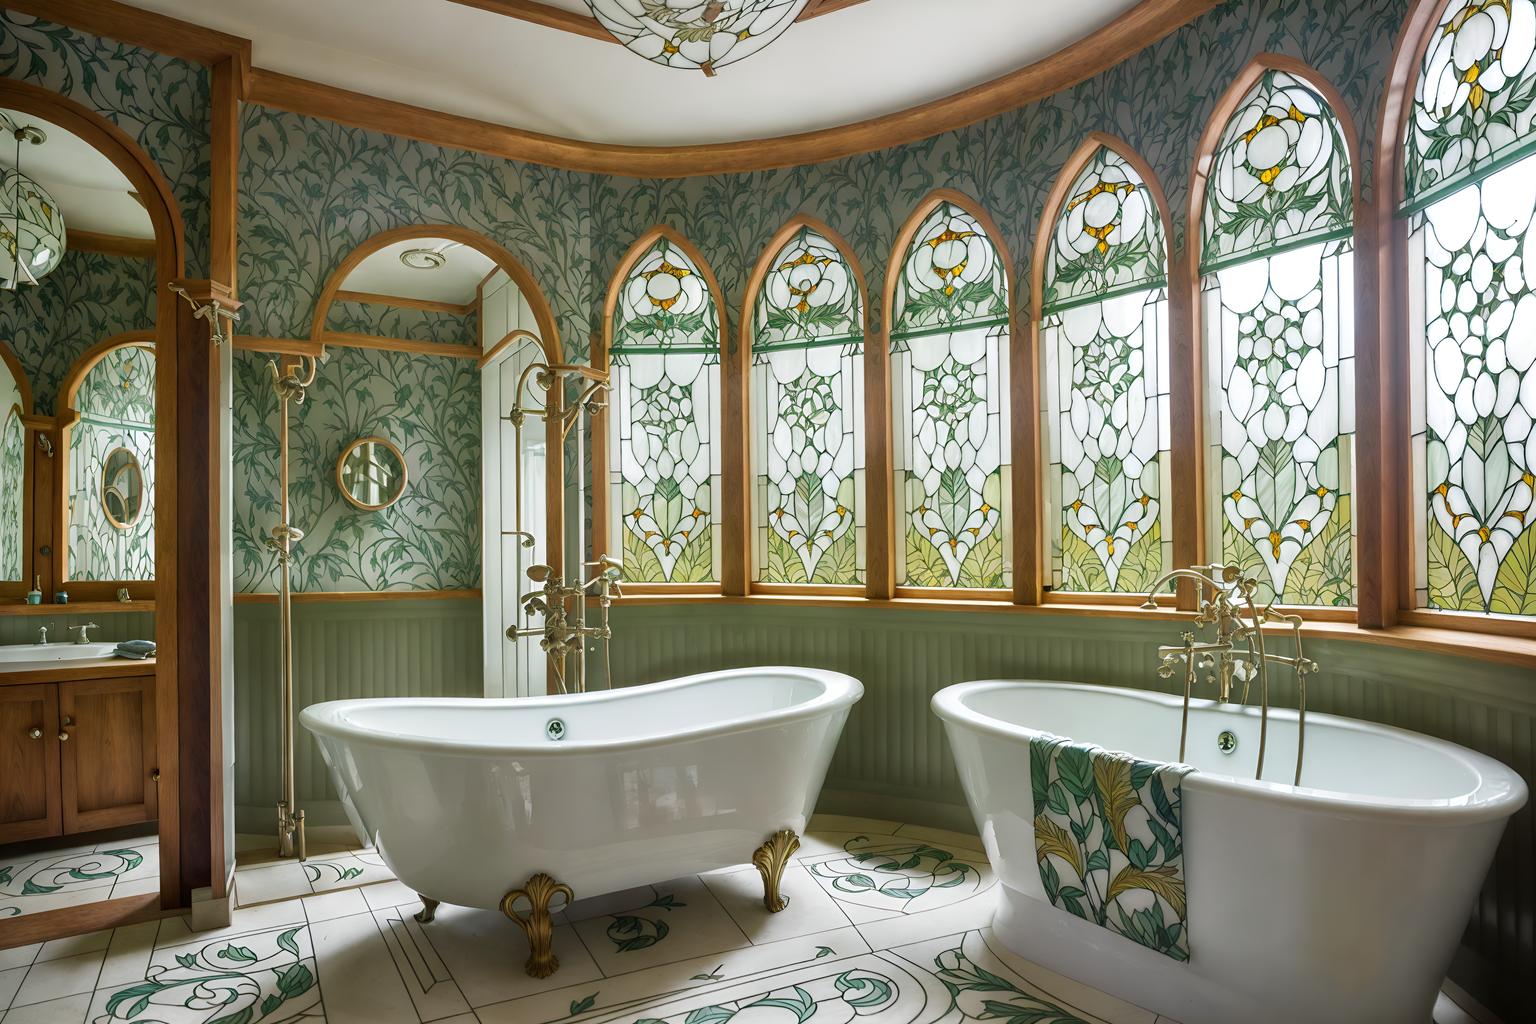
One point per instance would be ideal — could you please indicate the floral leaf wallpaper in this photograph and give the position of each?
(163, 103)
(311, 191)
(429, 407)
(116, 402)
(401, 322)
(87, 299)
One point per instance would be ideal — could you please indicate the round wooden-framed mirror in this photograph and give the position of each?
(122, 488)
(371, 474)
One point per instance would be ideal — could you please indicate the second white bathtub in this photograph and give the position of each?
(466, 799)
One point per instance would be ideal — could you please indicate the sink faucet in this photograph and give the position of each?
(81, 634)
(42, 635)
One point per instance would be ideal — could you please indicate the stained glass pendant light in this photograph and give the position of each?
(703, 34)
(31, 224)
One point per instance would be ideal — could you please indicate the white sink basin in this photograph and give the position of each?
(34, 653)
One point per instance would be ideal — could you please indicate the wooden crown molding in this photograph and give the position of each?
(1147, 22)
(1143, 25)
(584, 25)
(159, 32)
(111, 245)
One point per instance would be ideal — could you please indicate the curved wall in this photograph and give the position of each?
(1158, 101)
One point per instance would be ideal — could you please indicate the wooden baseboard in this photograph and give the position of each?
(66, 921)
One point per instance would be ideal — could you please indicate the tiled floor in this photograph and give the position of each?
(69, 876)
(885, 922)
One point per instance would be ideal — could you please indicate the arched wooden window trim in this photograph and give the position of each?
(1187, 350)
(1022, 426)
(733, 554)
(548, 339)
(1390, 274)
(14, 589)
(876, 493)
(1051, 212)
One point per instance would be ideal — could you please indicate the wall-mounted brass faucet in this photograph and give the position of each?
(564, 632)
(1237, 654)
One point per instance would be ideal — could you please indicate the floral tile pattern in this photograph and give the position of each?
(358, 956)
(267, 881)
(39, 881)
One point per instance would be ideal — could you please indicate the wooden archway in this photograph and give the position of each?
(549, 332)
(191, 799)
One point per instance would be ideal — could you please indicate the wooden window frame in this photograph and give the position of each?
(1051, 213)
(1394, 584)
(1188, 391)
(1023, 411)
(876, 498)
(733, 457)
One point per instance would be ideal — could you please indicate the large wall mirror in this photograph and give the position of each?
(109, 468)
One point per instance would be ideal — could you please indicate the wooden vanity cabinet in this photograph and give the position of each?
(30, 798)
(76, 756)
(108, 762)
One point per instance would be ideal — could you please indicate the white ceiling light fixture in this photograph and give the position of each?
(702, 34)
(31, 224)
(427, 258)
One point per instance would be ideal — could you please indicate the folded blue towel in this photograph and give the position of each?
(138, 649)
(1109, 841)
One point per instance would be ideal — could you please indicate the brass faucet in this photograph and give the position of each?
(565, 634)
(1237, 654)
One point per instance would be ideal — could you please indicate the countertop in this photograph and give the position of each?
(83, 668)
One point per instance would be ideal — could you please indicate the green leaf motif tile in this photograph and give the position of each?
(896, 877)
(261, 978)
(81, 871)
(638, 930)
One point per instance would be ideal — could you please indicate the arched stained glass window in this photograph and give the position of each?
(1278, 287)
(665, 420)
(1471, 191)
(949, 380)
(808, 417)
(1104, 328)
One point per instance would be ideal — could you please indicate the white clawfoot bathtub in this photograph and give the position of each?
(466, 799)
(1341, 900)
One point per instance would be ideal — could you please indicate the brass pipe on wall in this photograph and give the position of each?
(291, 383)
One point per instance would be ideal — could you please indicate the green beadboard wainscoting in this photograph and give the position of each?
(341, 650)
(893, 760)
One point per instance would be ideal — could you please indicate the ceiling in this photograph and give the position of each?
(872, 58)
(382, 273)
(92, 192)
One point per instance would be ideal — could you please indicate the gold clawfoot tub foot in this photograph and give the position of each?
(428, 912)
(537, 926)
(770, 860)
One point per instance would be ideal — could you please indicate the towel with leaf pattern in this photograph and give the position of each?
(1108, 840)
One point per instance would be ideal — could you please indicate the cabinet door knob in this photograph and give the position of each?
(36, 732)
(154, 776)
(63, 736)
